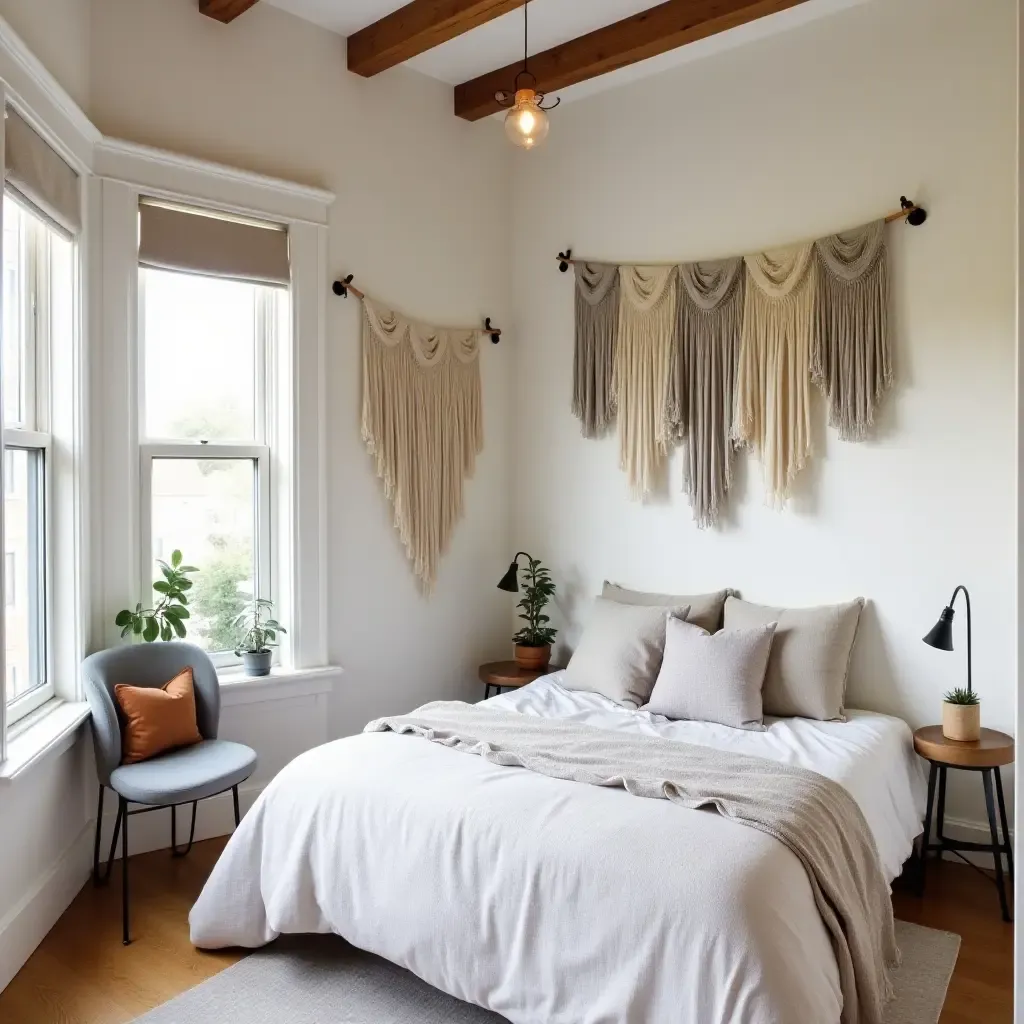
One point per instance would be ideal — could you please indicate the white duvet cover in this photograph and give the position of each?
(553, 902)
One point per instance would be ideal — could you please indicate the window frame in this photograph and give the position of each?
(268, 345)
(36, 257)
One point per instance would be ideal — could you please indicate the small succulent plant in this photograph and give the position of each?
(967, 698)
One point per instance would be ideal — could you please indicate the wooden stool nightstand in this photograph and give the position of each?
(986, 755)
(507, 675)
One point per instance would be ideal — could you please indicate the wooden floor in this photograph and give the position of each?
(81, 974)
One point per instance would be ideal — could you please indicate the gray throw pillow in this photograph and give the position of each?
(713, 678)
(810, 657)
(705, 609)
(620, 651)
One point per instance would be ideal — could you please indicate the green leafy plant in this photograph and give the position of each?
(260, 633)
(961, 696)
(536, 591)
(167, 619)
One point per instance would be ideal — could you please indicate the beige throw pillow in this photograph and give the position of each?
(620, 652)
(810, 656)
(705, 609)
(713, 678)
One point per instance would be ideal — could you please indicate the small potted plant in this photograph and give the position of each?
(961, 716)
(167, 620)
(256, 648)
(533, 642)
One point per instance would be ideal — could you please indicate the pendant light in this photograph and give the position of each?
(526, 123)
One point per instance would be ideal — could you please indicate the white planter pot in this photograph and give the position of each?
(961, 722)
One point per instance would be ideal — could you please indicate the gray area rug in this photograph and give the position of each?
(323, 980)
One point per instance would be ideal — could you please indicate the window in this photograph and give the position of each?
(205, 345)
(38, 289)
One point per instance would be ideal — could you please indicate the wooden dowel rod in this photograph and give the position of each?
(889, 218)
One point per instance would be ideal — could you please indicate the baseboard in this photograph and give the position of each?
(27, 923)
(152, 831)
(970, 832)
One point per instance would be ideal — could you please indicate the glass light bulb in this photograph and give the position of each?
(526, 125)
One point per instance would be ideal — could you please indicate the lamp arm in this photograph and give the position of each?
(528, 555)
(967, 600)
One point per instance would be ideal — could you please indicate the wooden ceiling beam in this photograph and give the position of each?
(647, 34)
(417, 27)
(225, 10)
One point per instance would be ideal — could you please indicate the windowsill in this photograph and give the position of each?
(47, 732)
(281, 684)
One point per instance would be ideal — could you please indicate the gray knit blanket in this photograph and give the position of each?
(812, 816)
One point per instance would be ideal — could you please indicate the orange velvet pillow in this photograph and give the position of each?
(158, 719)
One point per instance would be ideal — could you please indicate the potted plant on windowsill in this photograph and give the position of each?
(961, 716)
(533, 642)
(256, 648)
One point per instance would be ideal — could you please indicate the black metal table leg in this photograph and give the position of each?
(125, 938)
(933, 771)
(941, 812)
(1003, 822)
(234, 797)
(986, 778)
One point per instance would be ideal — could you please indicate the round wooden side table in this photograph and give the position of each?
(507, 675)
(986, 755)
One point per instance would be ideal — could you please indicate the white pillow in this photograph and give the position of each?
(620, 651)
(713, 678)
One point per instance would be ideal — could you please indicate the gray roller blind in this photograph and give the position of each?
(36, 174)
(203, 242)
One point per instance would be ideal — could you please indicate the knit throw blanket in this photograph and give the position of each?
(423, 424)
(773, 380)
(702, 380)
(850, 356)
(597, 330)
(811, 815)
(647, 313)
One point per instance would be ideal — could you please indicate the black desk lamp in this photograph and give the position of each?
(940, 636)
(510, 581)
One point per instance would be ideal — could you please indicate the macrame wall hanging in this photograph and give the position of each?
(422, 421)
(711, 355)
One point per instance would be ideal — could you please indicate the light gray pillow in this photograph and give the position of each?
(713, 677)
(705, 609)
(810, 657)
(620, 651)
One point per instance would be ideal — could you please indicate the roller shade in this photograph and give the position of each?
(202, 242)
(37, 175)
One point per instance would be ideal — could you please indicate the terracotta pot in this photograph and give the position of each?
(961, 722)
(533, 659)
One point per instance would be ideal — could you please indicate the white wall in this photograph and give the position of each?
(422, 220)
(796, 136)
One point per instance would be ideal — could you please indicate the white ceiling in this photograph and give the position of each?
(500, 42)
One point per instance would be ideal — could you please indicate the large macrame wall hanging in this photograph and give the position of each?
(713, 354)
(423, 424)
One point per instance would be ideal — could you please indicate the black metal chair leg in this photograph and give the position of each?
(1003, 822)
(96, 842)
(175, 852)
(986, 778)
(102, 879)
(238, 817)
(933, 771)
(123, 814)
(940, 825)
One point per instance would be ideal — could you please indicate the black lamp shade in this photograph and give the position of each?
(510, 581)
(940, 636)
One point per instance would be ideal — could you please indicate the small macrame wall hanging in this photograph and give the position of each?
(715, 355)
(422, 422)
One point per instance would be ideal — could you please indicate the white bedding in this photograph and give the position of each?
(553, 902)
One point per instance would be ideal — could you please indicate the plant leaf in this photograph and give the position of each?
(151, 630)
(175, 558)
(124, 618)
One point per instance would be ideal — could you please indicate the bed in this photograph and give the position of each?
(506, 888)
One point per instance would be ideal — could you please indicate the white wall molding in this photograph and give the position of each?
(234, 189)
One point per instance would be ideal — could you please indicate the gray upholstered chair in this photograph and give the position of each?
(182, 776)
